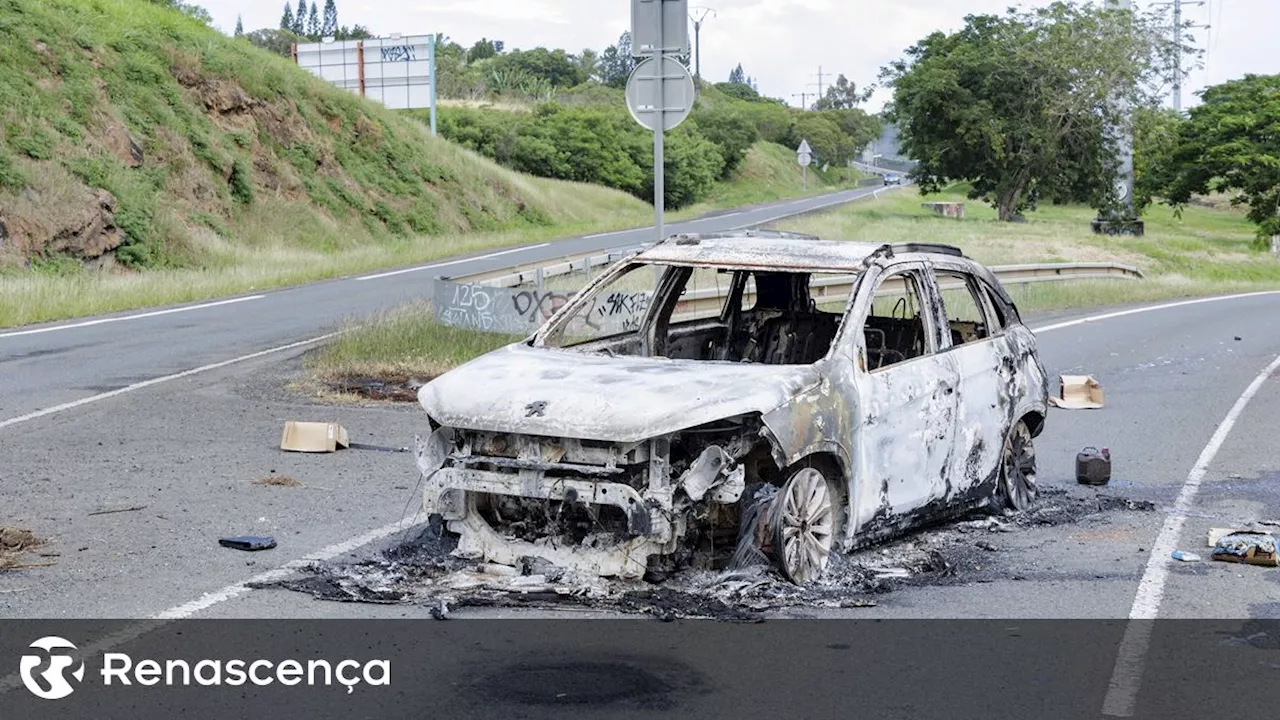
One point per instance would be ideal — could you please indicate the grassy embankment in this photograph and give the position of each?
(1207, 252)
(148, 160)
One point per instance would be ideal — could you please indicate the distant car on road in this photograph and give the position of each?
(892, 179)
(759, 387)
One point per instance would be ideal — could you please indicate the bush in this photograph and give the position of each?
(731, 131)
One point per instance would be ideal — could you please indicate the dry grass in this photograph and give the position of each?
(278, 481)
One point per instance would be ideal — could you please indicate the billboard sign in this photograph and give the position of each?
(396, 71)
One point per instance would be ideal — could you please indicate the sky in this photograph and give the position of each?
(782, 44)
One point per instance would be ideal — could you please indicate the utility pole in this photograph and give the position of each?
(819, 83)
(697, 37)
(1178, 29)
(804, 105)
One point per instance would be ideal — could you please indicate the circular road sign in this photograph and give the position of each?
(804, 159)
(677, 88)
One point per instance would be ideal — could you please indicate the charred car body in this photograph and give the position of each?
(853, 391)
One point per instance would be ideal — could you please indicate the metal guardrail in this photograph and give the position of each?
(512, 303)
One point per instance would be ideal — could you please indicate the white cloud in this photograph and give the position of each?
(781, 43)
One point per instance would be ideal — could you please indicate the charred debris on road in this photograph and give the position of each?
(423, 571)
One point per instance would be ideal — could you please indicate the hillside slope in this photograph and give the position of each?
(133, 135)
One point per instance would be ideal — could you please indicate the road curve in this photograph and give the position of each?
(52, 366)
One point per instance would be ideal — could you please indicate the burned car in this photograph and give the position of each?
(791, 394)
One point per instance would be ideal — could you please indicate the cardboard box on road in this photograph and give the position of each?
(313, 437)
(1079, 392)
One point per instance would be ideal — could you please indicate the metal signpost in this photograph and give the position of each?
(660, 92)
(804, 156)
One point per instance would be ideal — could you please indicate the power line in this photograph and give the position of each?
(697, 36)
(819, 83)
(804, 105)
(1179, 27)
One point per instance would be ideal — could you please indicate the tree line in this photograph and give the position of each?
(1025, 107)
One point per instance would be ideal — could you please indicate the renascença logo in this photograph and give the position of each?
(55, 685)
(120, 669)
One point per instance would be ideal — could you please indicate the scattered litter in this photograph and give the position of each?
(278, 481)
(1247, 548)
(1185, 556)
(112, 511)
(1217, 534)
(1079, 392)
(249, 543)
(313, 437)
(983, 544)
(378, 448)
(892, 573)
(1093, 466)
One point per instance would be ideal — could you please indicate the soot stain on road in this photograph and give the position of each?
(637, 683)
(423, 571)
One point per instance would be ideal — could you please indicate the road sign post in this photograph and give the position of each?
(660, 92)
(804, 156)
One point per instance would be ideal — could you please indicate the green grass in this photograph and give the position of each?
(770, 172)
(254, 173)
(402, 344)
(1206, 252)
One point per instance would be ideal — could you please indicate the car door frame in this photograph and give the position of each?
(985, 391)
(882, 501)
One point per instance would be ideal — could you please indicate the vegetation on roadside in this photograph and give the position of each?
(136, 132)
(398, 346)
(1207, 251)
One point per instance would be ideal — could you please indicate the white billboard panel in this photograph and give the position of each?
(395, 71)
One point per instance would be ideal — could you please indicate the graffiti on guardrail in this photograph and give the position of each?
(521, 311)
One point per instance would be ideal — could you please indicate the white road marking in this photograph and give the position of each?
(186, 610)
(156, 381)
(210, 599)
(1126, 677)
(139, 316)
(1135, 311)
(433, 266)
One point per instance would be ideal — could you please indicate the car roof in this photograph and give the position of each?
(775, 250)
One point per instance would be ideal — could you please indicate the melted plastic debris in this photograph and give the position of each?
(422, 571)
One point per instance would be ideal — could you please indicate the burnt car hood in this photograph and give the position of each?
(560, 393)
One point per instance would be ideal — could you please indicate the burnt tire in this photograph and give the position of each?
(803, 522)
(1016, 488)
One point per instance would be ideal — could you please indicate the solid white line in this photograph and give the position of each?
(433, 266)
(1135, 311)
(1126, 678)
(139, 316)
(210, 599)
(156, 381)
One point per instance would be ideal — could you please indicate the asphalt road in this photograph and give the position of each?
(44, 366)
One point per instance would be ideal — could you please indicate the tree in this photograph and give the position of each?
(1019, 104)
(286, 20)
(191, 10)
(616, 63)
(279, 42)
(239, 26)
(557, 67)
(738, 77)
(588, 64)
(1231, 142)
(732, 132)
(843, 95)
(330, 26)
(300, 19)
(483, 49)
(355, 32)
(1155, 137)
(739, 91)
(313, 23)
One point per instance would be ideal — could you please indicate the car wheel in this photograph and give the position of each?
(803, 525)
(1016, 488)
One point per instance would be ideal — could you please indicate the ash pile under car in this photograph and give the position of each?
(758, 392)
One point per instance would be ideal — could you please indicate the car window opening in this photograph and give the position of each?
(705, 314)
(894, 330)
